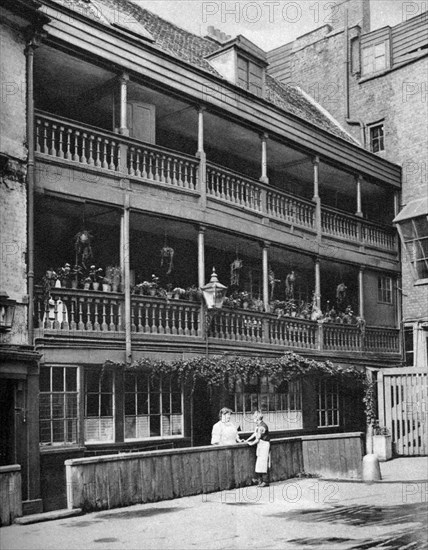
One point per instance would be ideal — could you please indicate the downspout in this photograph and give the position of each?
(29, 52)
(348, 120)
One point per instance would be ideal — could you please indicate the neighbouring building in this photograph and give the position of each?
(159, 155)
(378, 92)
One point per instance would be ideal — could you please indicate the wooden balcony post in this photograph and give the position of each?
(126, 278)
(316, 198)
(320, 335)
(265, 271)
(361, 292)
(200, 154)
(359, 211)
(264, 177)
(317, 283)
(124, 79)
(201, 256)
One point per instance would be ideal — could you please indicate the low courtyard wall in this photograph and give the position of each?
(10, 494)
(124, 479)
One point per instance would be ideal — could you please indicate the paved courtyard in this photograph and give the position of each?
(299, 513)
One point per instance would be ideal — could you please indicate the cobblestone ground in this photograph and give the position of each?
(307, 513)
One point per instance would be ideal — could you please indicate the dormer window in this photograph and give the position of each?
(241, 62)
(250, 76)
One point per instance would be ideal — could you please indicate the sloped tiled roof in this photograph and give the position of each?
(193, 49)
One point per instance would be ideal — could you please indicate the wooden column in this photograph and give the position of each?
(316, 163)
(359, 208)
(124, 79)
(200, 154)
(396, 203)
(201, 256)
(126, 278)
(361, 292)
(265, 270)
(317, 282)
(264, 178)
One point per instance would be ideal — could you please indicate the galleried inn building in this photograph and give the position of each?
(135, 159)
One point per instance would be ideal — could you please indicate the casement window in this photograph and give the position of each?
(328, 403)
(281, 405)
(374, 58)
(414, 234)
(58, 411)
(250, 76)
(377, 140)
(99, 406)
(409, 345)
(153, 406)
(384, 290)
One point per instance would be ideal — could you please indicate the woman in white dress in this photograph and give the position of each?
(224, 431)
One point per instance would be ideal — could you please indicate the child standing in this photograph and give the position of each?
(261, 438)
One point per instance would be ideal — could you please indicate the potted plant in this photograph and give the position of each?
(76, 274)
(154, 284)
(106, 284)
(95, 274)
(65, 275)
(245, 299)
(87, 281)
(193, 293)
(114, 274)
(178, 293)
(382, 442)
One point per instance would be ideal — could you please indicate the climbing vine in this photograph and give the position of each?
(216, 371)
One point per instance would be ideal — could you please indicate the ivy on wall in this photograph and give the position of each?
(216, 371)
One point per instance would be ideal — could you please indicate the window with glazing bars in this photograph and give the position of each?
(58, 414)
(328, 403)
(153, 406)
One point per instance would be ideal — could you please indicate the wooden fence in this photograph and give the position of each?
(10, 494)
(124, 479)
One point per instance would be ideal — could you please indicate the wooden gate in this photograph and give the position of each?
(402, 401)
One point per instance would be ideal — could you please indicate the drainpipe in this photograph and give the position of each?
(348, 120)
(29, 52)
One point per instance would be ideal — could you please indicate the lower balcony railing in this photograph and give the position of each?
(83, 312)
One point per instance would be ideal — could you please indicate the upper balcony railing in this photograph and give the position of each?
(78, 312)
(75, 142)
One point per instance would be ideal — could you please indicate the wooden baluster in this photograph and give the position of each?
(98, 153)
(140, 317)
(45, 138)
(96, 322)
(115, 315)
(133, 326)
(81, 325)
(38, 123)
(83, 158)
(76, 156)
(186, 321)
(88, 315)
(154, 328)
(174, 312)
(131, 170)
(180, 181)
(157, 168)
(104, 326)
(193, 322)
(65, 322)
(186, 178)
(161, 328)
(104, 153)
(60, 152)
(53, 151)
(146, 318)
(91, 150)
(68, 154)
(112, 148)
(150, 171)
(167, 312)
(174, 172)
(180, 320)
(168, 170)
(56, 325)
(137, 163)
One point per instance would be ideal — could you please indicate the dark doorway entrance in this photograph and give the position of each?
(7, 425)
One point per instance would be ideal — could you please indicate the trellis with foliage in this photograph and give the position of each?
(217, 371)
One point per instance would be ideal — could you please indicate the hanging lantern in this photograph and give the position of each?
(214, 292)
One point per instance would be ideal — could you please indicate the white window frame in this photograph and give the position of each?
(371, 56)
(384, 290)
(58, 413)
(378, 139)
(328, 408)
(413, 245)
(169, 422)
(102, 425)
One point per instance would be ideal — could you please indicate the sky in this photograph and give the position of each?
(271, 23)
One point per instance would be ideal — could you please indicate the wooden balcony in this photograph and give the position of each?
(64, 141)
(79, 313)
